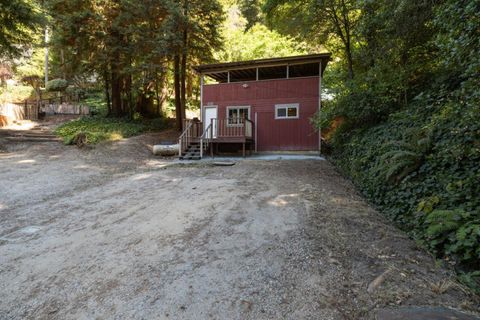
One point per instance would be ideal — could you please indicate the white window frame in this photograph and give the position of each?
(238, 108)
(286, 106)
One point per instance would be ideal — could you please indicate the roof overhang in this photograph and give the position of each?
(218, 70)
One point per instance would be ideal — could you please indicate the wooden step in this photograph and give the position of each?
(34, 135)
(32, 139)
(192, 152)
(190, 158)
(185, 154)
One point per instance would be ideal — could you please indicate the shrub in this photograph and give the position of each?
(56, 85)
(453, 232)
(159, 123)
(17, 93)
(97, 103)
(96, 129)
(75, 91)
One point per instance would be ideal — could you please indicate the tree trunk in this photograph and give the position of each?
(183, 76)
(128, 96)
(116, 77)
(116, 84)
(145, 98)
(178, 103)
(161, 92)
(342, 29)
(129, 105)
(107, 92)
(157, 95)
(183, 84)
(46, 55)
(348, 52)
(62, 61)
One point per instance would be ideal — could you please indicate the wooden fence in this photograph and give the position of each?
(30, 110)
(19, 112)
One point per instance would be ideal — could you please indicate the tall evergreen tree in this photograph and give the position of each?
(200, 34)
(19, 20)
(130, 45)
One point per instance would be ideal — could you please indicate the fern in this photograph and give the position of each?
(471, 280)
(405, 158)
(454, 232)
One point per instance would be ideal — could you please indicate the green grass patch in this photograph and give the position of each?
(97, 129)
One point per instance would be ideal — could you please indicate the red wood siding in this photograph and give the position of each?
(262, 96)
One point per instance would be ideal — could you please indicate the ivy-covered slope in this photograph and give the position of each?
(422, 168)
(416, 155)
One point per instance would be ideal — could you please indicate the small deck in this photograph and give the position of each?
(198, 138)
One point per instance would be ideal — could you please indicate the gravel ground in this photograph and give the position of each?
(114, 233)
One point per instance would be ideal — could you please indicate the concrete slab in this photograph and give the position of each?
(423, 313)
(268, 157)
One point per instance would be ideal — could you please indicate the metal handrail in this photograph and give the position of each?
(203, 136)
(184, 138)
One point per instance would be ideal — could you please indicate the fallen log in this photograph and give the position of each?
(165, 150)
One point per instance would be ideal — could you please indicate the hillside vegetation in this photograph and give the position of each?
(410, 133)
(404, 123)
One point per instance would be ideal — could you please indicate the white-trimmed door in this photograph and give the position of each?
(211, 112)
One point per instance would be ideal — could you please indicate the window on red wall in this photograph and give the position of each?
(287, 111)
(237, 114)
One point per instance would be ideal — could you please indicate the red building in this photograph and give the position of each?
(265, 105)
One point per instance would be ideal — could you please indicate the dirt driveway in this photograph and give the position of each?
(113, 233)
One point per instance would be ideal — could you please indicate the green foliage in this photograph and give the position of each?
(129, 46)
(429, 187)
(31, 64)
(56, 85)
(17, 93)
(327, 23)
(410, 138)
(95, 100)
(247, 39)
(459, 39)
(252, 11)
(470, 279)
(19, 19)
(75, 91)
(453, 232)
(256, 43)
(405, 158)
(394, 61)
(98, 129)
(137, 116)
(411, 144)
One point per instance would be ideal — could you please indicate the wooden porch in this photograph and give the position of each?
(199, 138)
